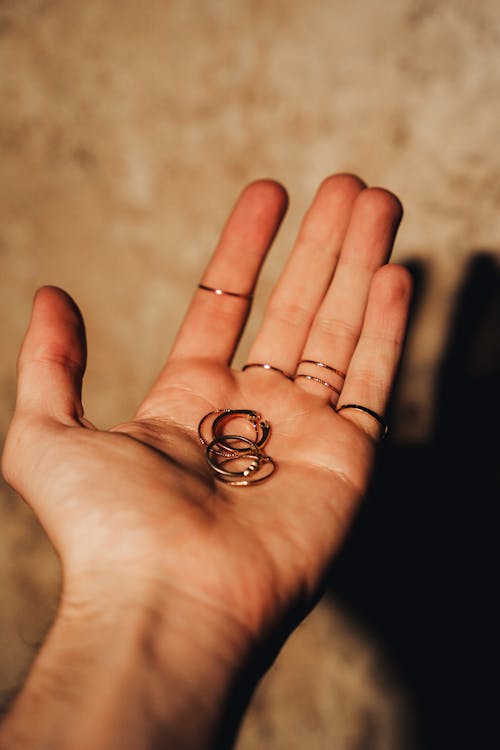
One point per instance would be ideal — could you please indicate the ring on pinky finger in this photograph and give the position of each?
(371, 413)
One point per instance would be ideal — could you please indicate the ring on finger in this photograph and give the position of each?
(370, 412)
(219, 292)
(266, 366)
(314, 379)
(323, 365)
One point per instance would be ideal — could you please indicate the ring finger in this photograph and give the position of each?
(339, 320)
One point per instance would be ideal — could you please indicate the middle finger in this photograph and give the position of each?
(305, 279)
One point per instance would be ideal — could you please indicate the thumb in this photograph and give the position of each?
(52, 359)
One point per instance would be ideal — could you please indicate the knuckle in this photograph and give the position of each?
(293, 314)
(374, 387)
(229, 313)
(55, 358)
(336, 327)
(224, 309)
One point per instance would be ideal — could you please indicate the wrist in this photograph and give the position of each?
(129, 672)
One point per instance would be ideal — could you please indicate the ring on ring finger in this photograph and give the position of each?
(323, 370)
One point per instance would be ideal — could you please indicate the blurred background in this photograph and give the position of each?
(127, 129)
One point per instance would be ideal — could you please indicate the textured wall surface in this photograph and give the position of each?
(126, 131)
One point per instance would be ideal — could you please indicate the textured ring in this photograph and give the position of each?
(222, 449)
(370, 412)
(265, 366)
(318, 380)
(261, 426)
(252, 452)
(323, 364)
(220, 292)
(203, 440)
(267, 461)
(253, 417)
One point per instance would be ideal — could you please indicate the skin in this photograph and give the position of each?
(178, 590)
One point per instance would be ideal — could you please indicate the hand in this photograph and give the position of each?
(135, 512)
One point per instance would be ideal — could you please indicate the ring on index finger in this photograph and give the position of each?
(219, 292)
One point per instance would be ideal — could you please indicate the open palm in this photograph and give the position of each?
(141, 497)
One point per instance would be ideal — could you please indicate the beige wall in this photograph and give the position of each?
(126, 131)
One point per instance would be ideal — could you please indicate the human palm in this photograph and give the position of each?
(141, 497)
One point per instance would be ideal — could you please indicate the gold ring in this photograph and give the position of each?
(220, 450)
(324, 365)
(267, 367)
(251, 452)
(220, 292)
(370, 412)
(321, 382)
(268, 461)
(261, 426)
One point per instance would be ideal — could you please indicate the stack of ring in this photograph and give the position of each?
(316, 379)
(222, 450)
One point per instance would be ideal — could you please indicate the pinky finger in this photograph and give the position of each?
(373, 367)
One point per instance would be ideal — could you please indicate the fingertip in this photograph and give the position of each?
(53, 301)
(52, 358)
(393, 282)
(381, 204)
(56, 328)
(265, 192)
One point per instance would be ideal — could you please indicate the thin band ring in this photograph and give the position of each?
(268, 461)
(265, 366)
(220, 292)
(252, 452)
(203, 441)
(220, 450)
(318, 380)
(253, 417)
(323, 364)
(370, 412)
(262, 427)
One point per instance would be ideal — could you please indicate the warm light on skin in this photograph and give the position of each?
(174, 581)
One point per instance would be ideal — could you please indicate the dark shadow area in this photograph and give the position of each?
(419, 568)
